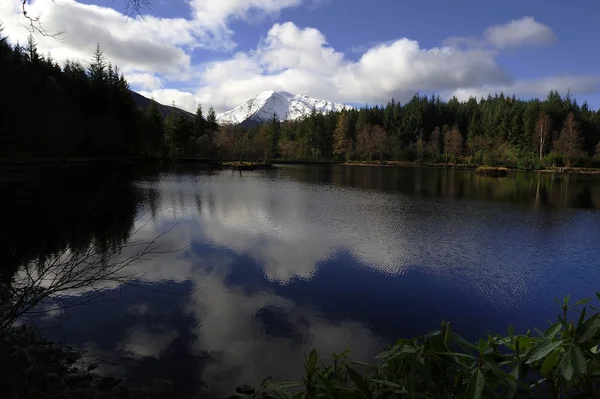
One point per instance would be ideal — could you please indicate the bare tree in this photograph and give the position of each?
(263, 141)
(378, 141)
(52, 279)
(542, 132)
(363, 142)
(433, 146)
(453, 142)
(569, 144)
(35, 24)
(288, 148)
(224, 141)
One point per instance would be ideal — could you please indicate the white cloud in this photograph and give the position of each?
(141, 44)
(181, 99)
(144, 80)
(144, 342)
(155, 55)
(299, 60)
(519, 32)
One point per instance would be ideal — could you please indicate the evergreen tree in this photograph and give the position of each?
(199, 122)
(97, 68)
(31, 50)
(211, 120)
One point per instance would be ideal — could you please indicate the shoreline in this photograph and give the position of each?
(8, 165)
(404, 164)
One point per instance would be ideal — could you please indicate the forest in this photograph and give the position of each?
(497, 130)
(88, 111)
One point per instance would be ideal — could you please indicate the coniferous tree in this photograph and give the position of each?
(211, 120)
(97, 68)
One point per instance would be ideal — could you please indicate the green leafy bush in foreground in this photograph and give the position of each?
(561, 362)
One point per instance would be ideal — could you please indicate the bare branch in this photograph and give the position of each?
(36, 25)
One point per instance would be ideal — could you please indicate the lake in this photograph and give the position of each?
(250, 270)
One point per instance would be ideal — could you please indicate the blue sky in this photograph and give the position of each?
(222, 52)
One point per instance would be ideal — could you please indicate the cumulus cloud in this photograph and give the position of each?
(181, 99)
(519, 32)
(299, 60)
(144, 80)
(155, 55)
(134, 44)
(141, 44)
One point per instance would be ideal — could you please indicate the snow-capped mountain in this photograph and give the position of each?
(285, 105)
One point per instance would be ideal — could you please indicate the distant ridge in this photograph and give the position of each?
(144, 102)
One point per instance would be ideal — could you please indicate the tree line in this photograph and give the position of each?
(497, 130)
(84, 111)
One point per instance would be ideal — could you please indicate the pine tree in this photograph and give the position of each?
(33, 56)
(275, 130)
(211, 120)
(199, 122)
(97, 69)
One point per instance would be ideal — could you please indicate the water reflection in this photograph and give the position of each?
(541, 189)
(280, 261)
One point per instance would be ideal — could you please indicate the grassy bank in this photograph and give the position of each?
(493, 171)
(241, 165)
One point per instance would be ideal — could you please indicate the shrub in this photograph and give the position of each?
(562, 361)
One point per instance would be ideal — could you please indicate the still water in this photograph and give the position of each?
(254, 269)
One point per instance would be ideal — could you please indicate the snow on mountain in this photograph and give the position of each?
(285, 105)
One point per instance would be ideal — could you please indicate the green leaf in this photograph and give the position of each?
(357, 363)
(312, 359)
(588, 329)
(511, 332)
(512, 382)
(389, 384)
(481, 345)
(549, 363)
(283, 385)
(326, 382)
(566, 300)
(543, 350)
(539, 332)
(578, 360)
(566, 368)
(581, 319)
(583, 301)
(360, 382)
(448, 334)
(573, 363)
(552, 330)
(397, 351)
(476, 385)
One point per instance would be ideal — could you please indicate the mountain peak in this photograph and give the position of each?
(285, 105)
